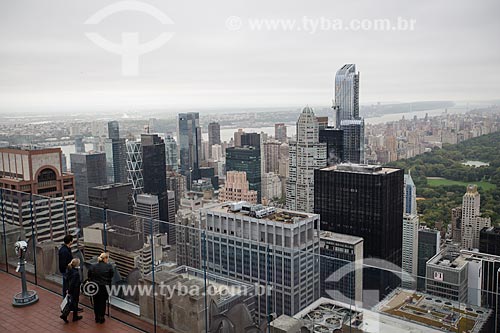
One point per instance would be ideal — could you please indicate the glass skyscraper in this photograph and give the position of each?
(346, 94)
(189, 141)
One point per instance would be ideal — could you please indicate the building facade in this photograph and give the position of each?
(189, 141)
(472, 222)
(246, 159)
(306, 155)
(237, 188)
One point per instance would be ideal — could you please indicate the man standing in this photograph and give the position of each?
(65, 257)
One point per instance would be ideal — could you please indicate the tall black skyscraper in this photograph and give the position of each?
(116, 155)
(334, 139)
(246, 159)
(365, 201)
(489, 241)
(213, 136)
(189, 142)
(250, 139)
(154, 172)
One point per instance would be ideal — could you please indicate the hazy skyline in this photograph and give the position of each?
(47, 62)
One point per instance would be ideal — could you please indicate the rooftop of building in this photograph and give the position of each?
(328, 315)
(262, 212)
(434, 312)
(328, 235)
(449, 257)
(492, 230)
(360, 168)
(29, 148)
(110, 186)
(222, 289)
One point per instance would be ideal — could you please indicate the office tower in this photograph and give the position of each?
(284, 161)
(64, 161)
(334, 139)
(306, 154)
(472, 222)
(213, 136)
(272, 188)
(456, 224)
(205, 152)
(237, 137)
(346, 94)
(250, 139)
(209, 174)
(338, 251)
(113, 130)
(428, 246)
(117, 198)
(148, 207)
(171, 217)
(216, 153)
(271, 156)
(189, 141)
(154, 172)
(116, 155)
(280, 132)
(489, 240)
(39, 172)
(354, 140)
(237, 188)
(79, 145)
(347, 113)
(241, 238)
(322, 122)
(364, 201)
(410, 232)
(171, 153)
(489, 288)
(177, 183)
(447, 275)
(134, 168)
(246, 159)
(89, 170)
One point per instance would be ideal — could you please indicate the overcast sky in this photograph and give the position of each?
(48, 63)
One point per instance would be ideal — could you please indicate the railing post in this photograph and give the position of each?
(65, 217)
(151, 223)
(204, 253)
(104, 221)
(33, 237)
(4, 234)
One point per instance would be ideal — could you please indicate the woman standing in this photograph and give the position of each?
(101, 274)
(73, 280)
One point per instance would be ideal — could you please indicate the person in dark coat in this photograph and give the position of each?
(101, 274)
(65, 257)
(74, 282)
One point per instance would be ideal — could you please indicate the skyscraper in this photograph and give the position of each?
(171, 153)
(117, 198)
(364, 201)
(306, 154)
(213, 136)
(347, 113)
(410, 232)
(89, 170)
(334, 139)
(489, 241)
(268, 246)
(189, 141)
(246, 159)
(428, 246)
(354, 140)
(148, 207)
(79, 145)
(280, 132)
(346, 94)
(472, 222)
(116, 155)
(38, 171)
(271, 156)
(134, 168)
(250, 139)
(154, 172)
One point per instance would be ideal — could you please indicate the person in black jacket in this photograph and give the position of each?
(74, 282)
(101, 274)
(65, 257)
